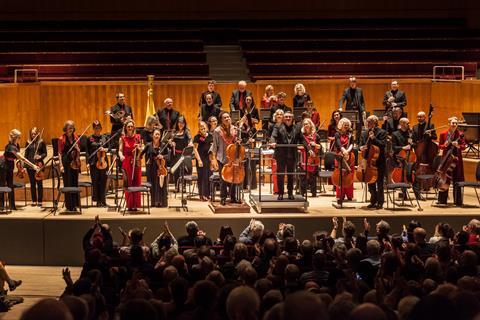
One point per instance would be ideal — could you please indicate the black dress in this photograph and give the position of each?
(70, 176)
(36, 186)
(159, 189)
(181, 142)
(10, 150)
(98, 176)
(204, 173)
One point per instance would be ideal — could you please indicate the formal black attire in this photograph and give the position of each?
(376, 189)
(70, 176)
(400, 99)
(207, 111)
(418, 132)
(300, 101)
(286, 157)
(400, 140)
(117, 124)
(146, 135)
(353, 98)
(98, 176)
(36, 186)
(250, 166)
(274, 109)
(168, 118)
(217, 100)
(391, 125)
(10, 156)
(158, 190)
(181, 142)
(237, 100)
(203, 146)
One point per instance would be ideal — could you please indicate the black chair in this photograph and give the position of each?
(72, 190)
(21, 185)
(328, 167)
(189, 179)
(87, 185)
(472, 184)
(429, 177)
(402, 186)
(7, 208)
(214, 185)
(143, 190)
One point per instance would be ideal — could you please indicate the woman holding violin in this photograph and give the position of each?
(147, 132)
(332, 128)
(35, 152)
(97, 161)
(156, 154)
(180, 140)
(343, 145)
(69, 155)
(313, 147)
(452, 142)
(129, 149)
(249, 119)
(202, 143)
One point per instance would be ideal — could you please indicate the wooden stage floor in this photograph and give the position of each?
(34, 236)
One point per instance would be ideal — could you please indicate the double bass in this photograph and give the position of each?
(367, 170)
(407, 159)
(426, 151)
(234, 171)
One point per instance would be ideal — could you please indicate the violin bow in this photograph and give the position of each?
(78, 139)
(33, 140)
(103, 144)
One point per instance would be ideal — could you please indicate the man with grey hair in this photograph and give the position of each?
(237, 100)
(192, 232)
(168, 116)
(373, 253)
(252, 232)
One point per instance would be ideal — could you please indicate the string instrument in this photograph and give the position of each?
(367, 171)
(101, 163)
(406, 159)
(443, 174)
(20, 170)
(40, 174)
(234, 171)
(426, 151)
(314, 160)
(74, 152)
(343, 174)
(161, 163)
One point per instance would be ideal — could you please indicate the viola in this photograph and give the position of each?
(40, 174)
(233, 171)
(444, 173)
(101, 163)
(314, 161)
(76, 164)
(343, 174)
(161, 168)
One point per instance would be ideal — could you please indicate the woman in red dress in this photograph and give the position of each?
(129, 147)
(344, 145)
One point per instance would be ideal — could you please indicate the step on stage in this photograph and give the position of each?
(34, 236)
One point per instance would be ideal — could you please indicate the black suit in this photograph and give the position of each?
(235, 99)
(419, 130)
(376, 189)
(400, 99)
(163, 117)
(354, 100)
(391, 125)
(207, 111)
(117, 123)
(400, 140)
(215, 96)
(286, 156)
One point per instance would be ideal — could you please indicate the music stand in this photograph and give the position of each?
(265, 114)
(186, 154)
(235, 115)
(472, 132)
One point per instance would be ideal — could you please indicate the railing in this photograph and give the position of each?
(452, 76)
(21, 71)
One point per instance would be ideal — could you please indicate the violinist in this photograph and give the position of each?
(209, 108)
(180, 140)
(216, 99)
(332, 127)
(202, 143)
(402, 140)
(376, 136)
(269, 99)
(286, 157)
(129, 153)
(248, 131)
(68, 156)
(343, 146)
(419, 129)
(35, 152)
(223, 136)
(301, 97)
(119, 112)
(152, 123)
(156, 150)
(311, 141)
(98, 174)
(453, 139)
(393, 98)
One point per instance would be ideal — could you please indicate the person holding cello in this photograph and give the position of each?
(97, 162)
(129, 149)
(223, 136)
(452, 142)
(156, 154)
(313, 147)
(377, 137)
(343, 145)
(423, 131)
(35, 152)
(69, 155)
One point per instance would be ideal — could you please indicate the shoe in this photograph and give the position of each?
(291, 197)
(419, 197)
(39, 204)
(34, 204)
(379, 206)
(222, 202)
(372, 205)
(14, 285)
(280, 197)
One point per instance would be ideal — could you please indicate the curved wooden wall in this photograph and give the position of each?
(48, 104)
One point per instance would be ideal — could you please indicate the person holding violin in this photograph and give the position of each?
(333, 127)
(151, 124)
(202, 143)
(156, 151)
(393, 98)
(223, 136)
(249, 118)
(377, 137)
(119, 112)
(286, 157)
(311, 141)
(343, 145)
(454, 141)
(69, 155)
(129, 153)
(97, 162)
(35, 152)
(180, 140)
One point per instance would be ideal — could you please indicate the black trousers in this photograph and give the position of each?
(70, 179)
(457, 196)
(376, 189)
(36, 186)
(204, 174)
(283, 164)
(224, 185)
(99, 184)
(310, 182)
(250, 174)
(8, 181)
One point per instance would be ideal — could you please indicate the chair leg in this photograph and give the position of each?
(148, 202)
(25, 194)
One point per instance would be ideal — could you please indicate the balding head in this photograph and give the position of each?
(242, 85)
(419, 235)
(367, 311)
(304, 305)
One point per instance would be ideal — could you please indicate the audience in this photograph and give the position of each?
(268, 275)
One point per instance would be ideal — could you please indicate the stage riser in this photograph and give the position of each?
(58, 242)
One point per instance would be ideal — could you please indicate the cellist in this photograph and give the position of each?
(453, 138)
(223, 136)
(419, 129)
(313, 146)
(377, 137)
(344, 145)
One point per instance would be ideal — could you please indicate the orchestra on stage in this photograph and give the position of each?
(355, 144)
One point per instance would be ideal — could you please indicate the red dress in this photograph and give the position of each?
(345, 141)
(133, 200)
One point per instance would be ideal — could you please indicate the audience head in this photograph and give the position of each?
(51, 309)
(243, 303)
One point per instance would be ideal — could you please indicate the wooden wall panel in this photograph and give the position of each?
(49, 104)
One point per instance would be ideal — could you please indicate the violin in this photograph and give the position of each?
(367, 170)
(20, 170)
(101, 163)
(314, 160)
(444, 173)
(406, 159)
(40, 174)
(76, 164)
(161, 163)
(234, 171)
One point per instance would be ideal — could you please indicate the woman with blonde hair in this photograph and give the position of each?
(301, 96)
(343, 145)
(269, 99)
(312, 145)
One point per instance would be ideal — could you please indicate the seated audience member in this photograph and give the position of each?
(252, 233)
(193, 231)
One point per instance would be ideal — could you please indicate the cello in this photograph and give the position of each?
(343, 174)
(367, 171)
(444, 172)
(426, 151)
(406, 159)
(234, 171)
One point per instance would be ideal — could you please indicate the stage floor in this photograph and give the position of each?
(35, 236)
